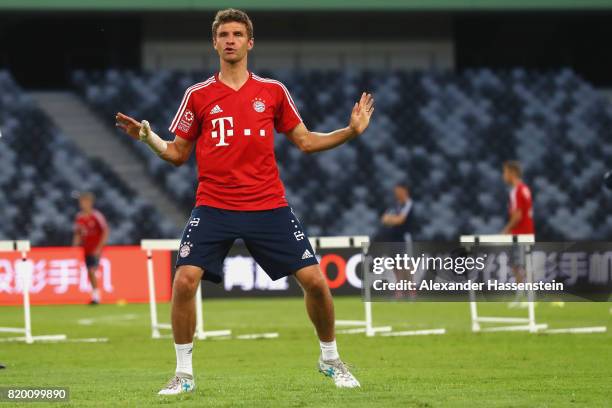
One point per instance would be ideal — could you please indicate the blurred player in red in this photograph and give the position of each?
(230, 120)
(91, 233)
(520, 210)
(520, 206)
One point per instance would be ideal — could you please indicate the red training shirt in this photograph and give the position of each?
(234, 136)
(520, 198)
(90, 228)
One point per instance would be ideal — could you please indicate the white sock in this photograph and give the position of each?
(329, 350)
(183, 358)
(95, 294)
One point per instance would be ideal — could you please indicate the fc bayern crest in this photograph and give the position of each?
(259, 105)
(185, 249)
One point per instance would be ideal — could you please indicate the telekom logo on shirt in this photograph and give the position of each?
(223, 128)
(222, 132)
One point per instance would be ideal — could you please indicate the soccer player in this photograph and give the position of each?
(91, 233)
(230, 119)
(397, 225)
(398, 220)
(520, 207)
(520, 210)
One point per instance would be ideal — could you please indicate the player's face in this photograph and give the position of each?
(86, 204)
(400, 193)
(232, 42)
(507, 175)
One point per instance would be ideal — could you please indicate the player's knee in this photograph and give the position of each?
(316, 285)
(185, 282)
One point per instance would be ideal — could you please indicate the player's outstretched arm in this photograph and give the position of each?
(311, 142)
(76, 239)
(176, 152)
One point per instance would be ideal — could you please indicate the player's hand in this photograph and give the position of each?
(145, 131)
(129, 125)
(362, 111)
(387, 220)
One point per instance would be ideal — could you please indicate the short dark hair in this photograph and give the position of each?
(514, 166)
(232, 15)
(403, 185)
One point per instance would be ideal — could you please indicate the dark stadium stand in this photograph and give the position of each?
(446, 134)
(41, 170)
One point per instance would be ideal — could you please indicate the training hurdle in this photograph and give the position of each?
(514, 323)
(367, 325)
(150, 245)
(24, 270)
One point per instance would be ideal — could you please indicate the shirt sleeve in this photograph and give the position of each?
(101, 220)
(405, 210)
(287, 116)
(186, 123)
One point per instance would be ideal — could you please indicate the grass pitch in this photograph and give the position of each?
(456, 369)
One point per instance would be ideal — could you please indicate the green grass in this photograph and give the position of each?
(457, 369)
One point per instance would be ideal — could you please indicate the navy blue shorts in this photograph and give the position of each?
(275, 238)
(92, 261)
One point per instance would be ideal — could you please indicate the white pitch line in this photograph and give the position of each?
(257, 336)
(216, 338)
(83, 340)
(36, 339)
(577, 330)
(107, 319)
(89, 340)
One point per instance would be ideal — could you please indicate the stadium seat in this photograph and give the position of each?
(42, 170)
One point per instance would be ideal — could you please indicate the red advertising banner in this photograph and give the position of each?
(59, 276)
